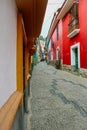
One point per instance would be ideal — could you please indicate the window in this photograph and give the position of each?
(57, 33)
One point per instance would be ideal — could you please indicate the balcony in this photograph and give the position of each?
(73, 28)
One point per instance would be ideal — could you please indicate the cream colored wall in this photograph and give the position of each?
(8, 37)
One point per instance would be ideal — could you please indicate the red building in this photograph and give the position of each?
(68, 34)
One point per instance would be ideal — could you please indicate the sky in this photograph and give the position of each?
(52, 7)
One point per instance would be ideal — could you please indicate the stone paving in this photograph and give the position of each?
(58, 100)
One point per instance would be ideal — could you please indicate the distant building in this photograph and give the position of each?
(41, 49)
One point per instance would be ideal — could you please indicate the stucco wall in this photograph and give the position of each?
(8, 32)
(80, 38)
(83, 32)
(65, 43)
(57, 43)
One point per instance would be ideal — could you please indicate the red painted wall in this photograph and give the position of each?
(65, 43)
(81, 37)
(57, 43)
(83, 31)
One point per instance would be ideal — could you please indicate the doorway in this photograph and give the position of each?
(75, 57)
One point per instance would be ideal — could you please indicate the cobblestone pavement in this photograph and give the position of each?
(58, 100)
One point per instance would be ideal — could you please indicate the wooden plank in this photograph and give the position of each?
(8, 111)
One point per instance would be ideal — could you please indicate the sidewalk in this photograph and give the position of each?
(58, 100)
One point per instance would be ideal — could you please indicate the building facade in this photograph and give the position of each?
(68, 36)
(17, 35)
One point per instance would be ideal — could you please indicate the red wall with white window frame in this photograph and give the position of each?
(81, 37)
(65, 43)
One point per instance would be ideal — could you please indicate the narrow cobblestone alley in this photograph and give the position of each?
(58, 100)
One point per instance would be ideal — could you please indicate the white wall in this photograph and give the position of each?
(8, 32)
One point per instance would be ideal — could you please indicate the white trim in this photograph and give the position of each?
(73, 33)
(73, 55)
(66, 7)
(51, 55)
(56, 54)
